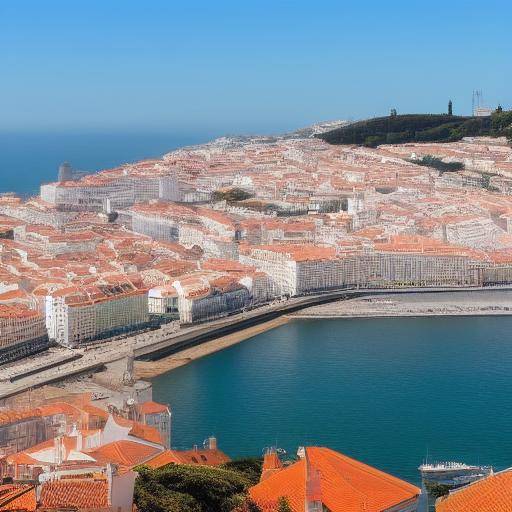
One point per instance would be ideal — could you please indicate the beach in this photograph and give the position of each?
(150, 369)
(463, 303)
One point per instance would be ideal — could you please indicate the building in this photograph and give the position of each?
(155, 415)
(22, 332)
(491, 494)
(295, 269)
(77, 315)
(323, 479)
(209, 455)
(208, 295)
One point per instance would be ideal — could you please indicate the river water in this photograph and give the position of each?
(389, 392)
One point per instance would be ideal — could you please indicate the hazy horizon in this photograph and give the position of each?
(241, 68)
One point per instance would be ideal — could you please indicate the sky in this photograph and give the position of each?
(244, 66)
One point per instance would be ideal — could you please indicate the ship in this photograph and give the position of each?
(453, 473)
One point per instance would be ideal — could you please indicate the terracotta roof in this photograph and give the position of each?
(124, 453)
(491, 494)
(271, 465)
(342, 484)
(17, 497)
(196, 457)
(152, 408)
(82, 494)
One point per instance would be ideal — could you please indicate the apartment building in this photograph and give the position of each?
(77, 315)
(22, 332)
(207, 295)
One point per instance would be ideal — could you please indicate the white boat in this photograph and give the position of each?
(453, 473)
(443, 467)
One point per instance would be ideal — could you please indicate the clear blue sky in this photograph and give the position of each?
(246, 66)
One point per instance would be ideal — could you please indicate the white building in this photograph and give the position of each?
(77, 315)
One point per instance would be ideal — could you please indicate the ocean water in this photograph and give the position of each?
(28, 159)
(389, 392)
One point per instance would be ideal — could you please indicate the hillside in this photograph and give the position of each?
(398, 129)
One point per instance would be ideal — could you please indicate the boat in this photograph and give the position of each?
(453, 473)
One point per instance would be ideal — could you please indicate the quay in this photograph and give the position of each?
(63, 363)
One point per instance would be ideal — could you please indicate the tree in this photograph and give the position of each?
(283, 505)
(393, 112)
(249, 467)
(184, 488)
(499, 110)
(450, 108)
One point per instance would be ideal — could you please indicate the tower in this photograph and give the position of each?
(450, 108)
(65, 172)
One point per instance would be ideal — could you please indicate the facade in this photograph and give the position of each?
(76, 316)
(163, 301)
(204, 297)
(22, 332)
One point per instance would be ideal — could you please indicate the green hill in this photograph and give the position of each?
(398, 129)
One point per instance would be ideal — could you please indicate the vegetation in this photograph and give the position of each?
(437, 490)
(283, 505)
(397, 129)
(183, 488)
(437, 163)
(231, 195)
(250, 467)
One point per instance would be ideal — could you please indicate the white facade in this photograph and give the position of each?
(73, 324)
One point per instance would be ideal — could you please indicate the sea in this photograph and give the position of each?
(390, 392)
(29, 159)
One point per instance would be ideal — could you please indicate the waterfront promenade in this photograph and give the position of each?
(171, 339)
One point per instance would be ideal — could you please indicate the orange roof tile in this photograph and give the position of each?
(124, 453)
(492, 494)
(81, 494)
(344, 484)
(152, 408)
(203, 457)
(17, 497)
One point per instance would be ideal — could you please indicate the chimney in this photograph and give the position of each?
(212, 443)
(58, 443)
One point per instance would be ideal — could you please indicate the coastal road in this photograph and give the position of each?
(61, 363)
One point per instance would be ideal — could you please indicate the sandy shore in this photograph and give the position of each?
(463, 303)
(149, 369)
(466, 303)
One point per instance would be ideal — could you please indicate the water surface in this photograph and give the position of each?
(386, 391)
(29, 159)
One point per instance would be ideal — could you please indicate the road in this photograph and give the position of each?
(168, 339)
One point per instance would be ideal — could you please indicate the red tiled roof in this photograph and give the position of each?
(344, 484)
(271, 465)
(124, 453)
(152, 408)
(17, 497)
(82, 494)
(491, 494)
(199, 457)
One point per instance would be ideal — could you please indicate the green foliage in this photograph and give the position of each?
(231, 195)
(190, 489)
(396, 129)
(450, 108)
(249, 467)
(437, 163)
(501, 123)
(437, 490)
(283, 505)
(150, 496)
